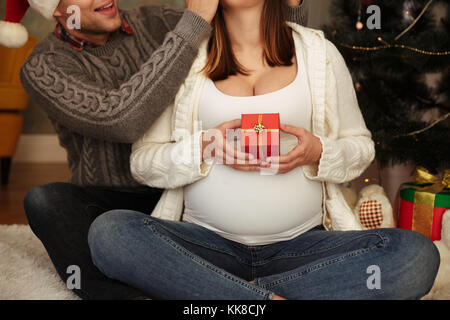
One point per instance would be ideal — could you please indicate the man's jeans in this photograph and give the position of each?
(181, 260)
(60, 215)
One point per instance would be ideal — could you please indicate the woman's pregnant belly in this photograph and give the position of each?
(250, 203)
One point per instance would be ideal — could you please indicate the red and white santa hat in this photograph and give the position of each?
(12, 33)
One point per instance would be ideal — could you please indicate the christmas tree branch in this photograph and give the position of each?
(415, 21)
(438, 120)
(431, 104)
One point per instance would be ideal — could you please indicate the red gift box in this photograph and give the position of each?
(420, 206)
(260, 134)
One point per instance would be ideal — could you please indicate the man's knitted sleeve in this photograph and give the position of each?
(61, 82)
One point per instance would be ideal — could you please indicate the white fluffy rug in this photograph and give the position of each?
(27, 273)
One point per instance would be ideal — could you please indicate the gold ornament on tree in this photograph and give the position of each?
(359, 24)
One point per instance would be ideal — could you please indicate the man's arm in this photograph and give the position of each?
(63, 87)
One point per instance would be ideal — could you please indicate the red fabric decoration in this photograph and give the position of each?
(15, 10)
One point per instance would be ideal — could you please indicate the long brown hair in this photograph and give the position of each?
(278, 43)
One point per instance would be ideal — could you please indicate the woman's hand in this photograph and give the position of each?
(204, 8)
(215, 146)
(307, 152)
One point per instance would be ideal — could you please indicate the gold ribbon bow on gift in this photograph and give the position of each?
(260, 128)
(423, 176)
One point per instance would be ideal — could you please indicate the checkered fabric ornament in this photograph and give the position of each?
(373, 208)
(371, 214)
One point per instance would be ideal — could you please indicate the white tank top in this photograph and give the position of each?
(249, 207)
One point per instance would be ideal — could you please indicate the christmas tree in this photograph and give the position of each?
(398, 52)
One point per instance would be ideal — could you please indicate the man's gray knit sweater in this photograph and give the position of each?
(102, 99)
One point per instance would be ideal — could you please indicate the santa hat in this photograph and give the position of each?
(12, 33)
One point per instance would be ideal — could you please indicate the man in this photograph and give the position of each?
(103, 86)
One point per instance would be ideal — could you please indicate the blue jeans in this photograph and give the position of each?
(181, 260)
(60, 215)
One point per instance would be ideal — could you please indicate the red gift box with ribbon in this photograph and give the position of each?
(420, 206)
(260, 135)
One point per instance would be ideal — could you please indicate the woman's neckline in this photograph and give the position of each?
(264, 95)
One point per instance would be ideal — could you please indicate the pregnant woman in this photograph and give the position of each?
(224, 229)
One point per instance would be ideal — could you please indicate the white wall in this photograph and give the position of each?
(319, 13)
(43, 148)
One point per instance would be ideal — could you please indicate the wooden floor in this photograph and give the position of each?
(23, 177)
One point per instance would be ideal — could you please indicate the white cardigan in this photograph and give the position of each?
(168, 156)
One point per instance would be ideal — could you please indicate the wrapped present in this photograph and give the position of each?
(260, 134)
(420, 205)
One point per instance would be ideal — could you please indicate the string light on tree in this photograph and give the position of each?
(388, 46)
(372, 180)
(407, 7)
